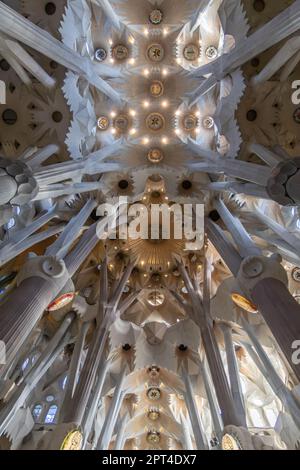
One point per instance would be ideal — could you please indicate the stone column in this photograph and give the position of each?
(120, 439)
(213, 405)
(73, 372)
(214, 359)
(92, 405)
(227, 405)
(234, 374)
(44, 362)
(200, 438)
(15, 25)
(276, 30)
(264, 280)
(39, 282)
(187, 443)
(112, 415)
(280, 390)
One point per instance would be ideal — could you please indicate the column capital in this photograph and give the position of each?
(254, 269)
(283, 186)
(49, 268)
(17, 183)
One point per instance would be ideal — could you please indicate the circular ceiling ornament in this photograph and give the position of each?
(121, 123)
(208, 122)
(211, 52)
(100, 54)
(155, 155)
(189, 122)
(187, 185)
(156, 53)
(156, 298)
(154, 394)
(156, 16)
(243, 303)
(155, 122)
(156, 88)
(103, 123)
(73, 441)
(153, 415)
(120, 52)
(296, 274)
(191, 52)
(153, 437)
(229, 442)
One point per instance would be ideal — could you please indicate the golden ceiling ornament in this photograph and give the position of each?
(155, 155)
(189, 122)
(156, 298)
(73, 441)
(156, 255)
(153, 437)
(154, 394)
(243, 303)
(121, 123)
(155, 52)
(120, 52)
(156, 88)
(155, 122)
(103, 123)
(229, 442)
(296, 274)
(156, 16)
(191, 52)
(153, 415)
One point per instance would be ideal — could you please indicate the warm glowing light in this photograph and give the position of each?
(146, 140)
(243, 303)
(132, 61)
(146, 31)
(165, 104)
(110, 42)
(132, 131)
(165, 31)
(113, 114)
(165, 72)
(112, 61)
(178, 112)
(73, 441)
(146, 104)
(132, 112)
(131, 40)
(113, 131)
(164, 140)
(146, 72)
(178, 60)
